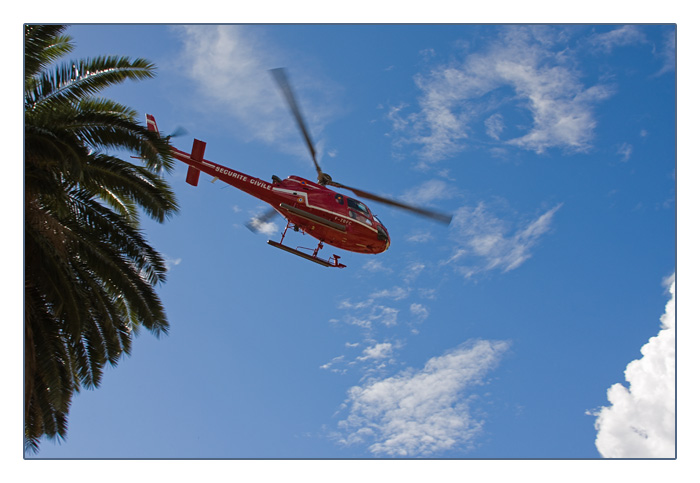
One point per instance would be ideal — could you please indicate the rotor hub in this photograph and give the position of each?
(324, 179)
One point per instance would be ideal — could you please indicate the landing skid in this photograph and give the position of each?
(331, 262)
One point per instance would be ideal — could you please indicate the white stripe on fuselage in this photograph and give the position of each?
(306, 202)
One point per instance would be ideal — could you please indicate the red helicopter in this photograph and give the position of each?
(309, 207)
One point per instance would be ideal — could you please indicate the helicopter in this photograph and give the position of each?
(313, 208)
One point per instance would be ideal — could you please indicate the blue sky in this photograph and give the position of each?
(505, 335)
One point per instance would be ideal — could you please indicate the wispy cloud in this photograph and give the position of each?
(526, 70)
(618, 37)
(420, 237)
(419, 310)
(421, 412)
(368, 313)
(428, 192)
(377, 351)
(229, 66)
(625, 151)
(386, 314)
(395, 293)
(667, 53)
(628, 35)
(375, 357)
(172, 262)
(486, 242)
(494, 126)
(640, 421)
(375, 266)
(412, 271)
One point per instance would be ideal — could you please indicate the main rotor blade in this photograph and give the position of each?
(434, 215)
(280, 76)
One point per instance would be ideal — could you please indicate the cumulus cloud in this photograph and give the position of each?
(640, 421)
(525, 70)
(422, 412)
(489, 243)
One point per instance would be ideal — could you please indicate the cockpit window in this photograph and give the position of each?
(356, 205)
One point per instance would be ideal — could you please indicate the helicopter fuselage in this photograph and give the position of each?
(316, 210)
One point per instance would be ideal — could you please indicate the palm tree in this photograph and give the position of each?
(89, 271)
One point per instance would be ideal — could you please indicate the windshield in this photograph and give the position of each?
(356, 205)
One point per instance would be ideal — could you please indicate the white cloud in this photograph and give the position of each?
(420, 237)
(668, 53)
(334, 361)
(640, 422)
(421, 412)
(625, 151)
(172, 262)
(229, 65)
(377, 351)
(428, 192)
(523, 70)
(419, 310)
(268, 228)
(396, 293)
(385, 315)
(494, 126)
(376, 266)
(369, 313)
(487, 240)
(413, 271)
(346, 304)
(619, 37)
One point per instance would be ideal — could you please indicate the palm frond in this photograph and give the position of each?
(71, 82)
(43, 44)
(90, 273)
